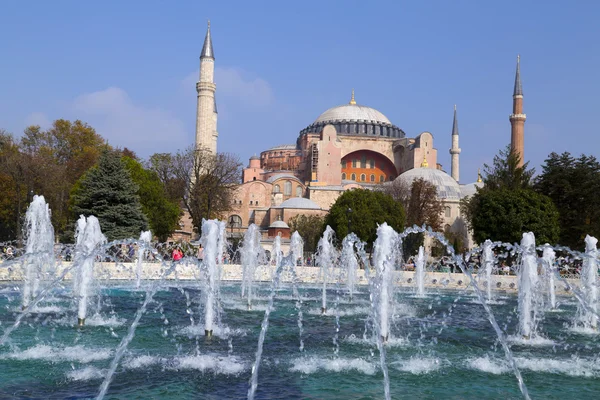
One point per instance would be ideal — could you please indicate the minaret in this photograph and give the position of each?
(206, 114)
(517, 118)
(455, 150)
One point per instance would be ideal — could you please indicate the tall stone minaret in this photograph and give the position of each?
(206, 114)
(517, 118)
(455, 150)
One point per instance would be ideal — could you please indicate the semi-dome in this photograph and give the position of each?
(356, 120)
(300, 202)
(447, 187)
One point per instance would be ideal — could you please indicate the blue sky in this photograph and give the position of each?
(129, 69)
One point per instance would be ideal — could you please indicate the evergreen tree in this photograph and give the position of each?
(573, 185)
(506, 173)
(108, 192)
(163, 214)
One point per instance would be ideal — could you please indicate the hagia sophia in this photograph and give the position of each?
(347, 146)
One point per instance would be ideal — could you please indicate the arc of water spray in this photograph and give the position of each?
(461, 263)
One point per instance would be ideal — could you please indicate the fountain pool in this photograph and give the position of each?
(443, 347)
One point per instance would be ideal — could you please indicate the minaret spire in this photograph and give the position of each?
(455, 150)
(207, 48)
(517, 118)
(518, 87)
(206, 112)
(352, 101)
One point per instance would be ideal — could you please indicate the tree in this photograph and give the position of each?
(424, 208)
(506, 173)
(15, 182)
(360, 211)
(211, 182)
(108, 192)
(573, 185)
(309, 227)
(167, 168)
(504, 214)
(163, 214)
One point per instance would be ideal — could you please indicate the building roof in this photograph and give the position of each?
(299, 202)
(447, 187)
(279, 224)
(283, 147)
(282, 176)
(455, 123)
(350, 112)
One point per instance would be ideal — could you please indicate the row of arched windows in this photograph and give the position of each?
(363, 177)
(287, 189)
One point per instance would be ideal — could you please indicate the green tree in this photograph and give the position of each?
(309, 227)
(506, 173)
(362, 210)
(163, 214)
(504, 214)
(108, 192)
(573, 185)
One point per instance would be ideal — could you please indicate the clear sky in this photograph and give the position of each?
(129, 69)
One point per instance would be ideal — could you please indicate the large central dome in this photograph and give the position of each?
(355, 120)
(352, 112)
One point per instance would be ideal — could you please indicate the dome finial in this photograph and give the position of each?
(352, 101)
(424, 164)
(479, 180)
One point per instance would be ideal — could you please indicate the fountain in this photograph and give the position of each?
(528, 278)
(143, 344)
(213, 242)
(589, 283)
(549, 257)
(420, 272)
(326, 256)
(88, 237)
(39, 250)
(385, 248)
(348, 259)
(143, 243)
(250, 255)
(488, 264)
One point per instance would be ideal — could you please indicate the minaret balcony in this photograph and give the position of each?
(517, 117)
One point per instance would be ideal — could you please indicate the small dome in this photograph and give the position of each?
(350, 112)
(470, 188)
(279, 224)
(447, 187)
(255, 157)
(300, 202)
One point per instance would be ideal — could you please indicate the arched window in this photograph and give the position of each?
(343, 176)
(363, 162)
(287, 188)
(448, 212)
(298, 191)
(363, 177)
(372, 163)
(353, 177)
(354, 163)
(372, 178)
(235, 221)
(276, 189)
(381, 178)
(251, 202)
